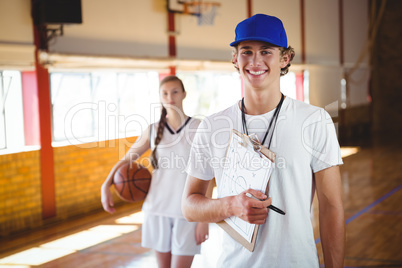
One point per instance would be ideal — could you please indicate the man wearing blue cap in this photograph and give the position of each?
(307, 152)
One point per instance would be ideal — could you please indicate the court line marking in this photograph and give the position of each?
(367, 208)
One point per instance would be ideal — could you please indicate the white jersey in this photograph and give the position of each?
(305, 142)
(167, 184)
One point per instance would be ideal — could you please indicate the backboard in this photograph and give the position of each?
(183, 6)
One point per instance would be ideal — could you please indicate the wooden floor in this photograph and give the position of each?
(372, 194)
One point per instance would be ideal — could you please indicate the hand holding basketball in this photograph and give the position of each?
(132, 182)
(107, 199)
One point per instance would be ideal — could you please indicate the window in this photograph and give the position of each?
(11, 110)
(210, 92)
(98, 106)
(72, 101)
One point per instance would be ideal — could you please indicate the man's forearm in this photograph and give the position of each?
(198, 208)
(332, 232)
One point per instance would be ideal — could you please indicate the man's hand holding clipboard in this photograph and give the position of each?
(248, 170)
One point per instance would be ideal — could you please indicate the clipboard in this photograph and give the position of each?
(240, 143)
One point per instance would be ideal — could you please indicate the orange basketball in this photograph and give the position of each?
(132, 182)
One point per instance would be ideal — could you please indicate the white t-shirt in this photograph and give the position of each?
(167, 184)
(305, 142)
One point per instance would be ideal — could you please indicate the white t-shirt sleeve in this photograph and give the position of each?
(321, 140)
(199, 165)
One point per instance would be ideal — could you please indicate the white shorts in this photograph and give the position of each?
(166, 234)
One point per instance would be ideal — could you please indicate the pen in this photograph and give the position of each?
(270, 206)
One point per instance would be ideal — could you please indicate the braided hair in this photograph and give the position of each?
(162, 120)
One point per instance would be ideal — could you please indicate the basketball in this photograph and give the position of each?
(131, 182)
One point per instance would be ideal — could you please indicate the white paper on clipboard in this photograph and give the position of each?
(248, 165)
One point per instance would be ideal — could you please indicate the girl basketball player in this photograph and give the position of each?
(164, 229)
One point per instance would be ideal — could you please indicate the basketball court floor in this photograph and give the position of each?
(372, 195)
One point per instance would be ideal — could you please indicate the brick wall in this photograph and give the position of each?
(79, 174)
(20, 202)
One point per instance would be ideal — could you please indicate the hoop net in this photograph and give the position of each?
(205, 11)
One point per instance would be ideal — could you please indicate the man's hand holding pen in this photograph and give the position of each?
(270, 206)
(249, 209)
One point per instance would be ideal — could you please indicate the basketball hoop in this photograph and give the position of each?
(205, 11)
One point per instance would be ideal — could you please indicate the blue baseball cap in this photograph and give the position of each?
(261, 27)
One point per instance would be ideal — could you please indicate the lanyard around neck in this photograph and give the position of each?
(274, 118)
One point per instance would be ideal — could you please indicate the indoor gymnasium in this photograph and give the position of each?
(81, 82)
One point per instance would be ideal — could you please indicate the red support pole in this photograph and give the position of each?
(300, 76)
(46, 151)
(249, 8)
(45, 127)
(172, 70)
(172, 40)
(303, 32)
(341, 47)
(172, 37)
